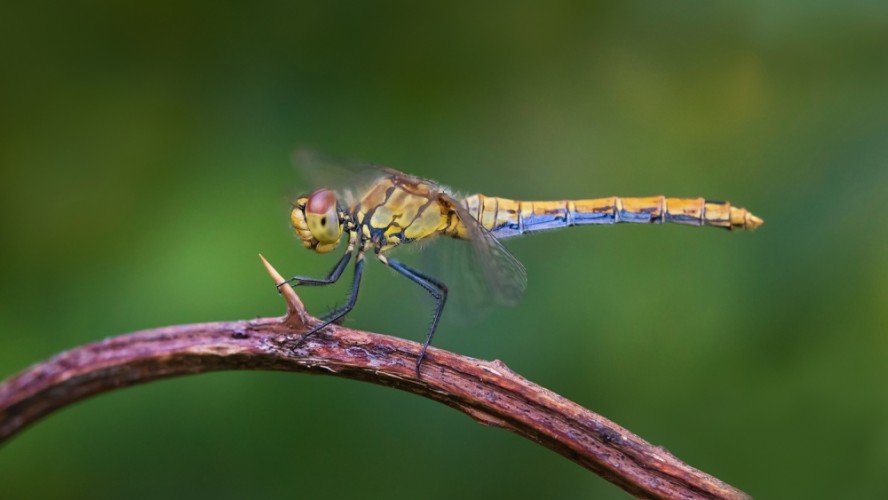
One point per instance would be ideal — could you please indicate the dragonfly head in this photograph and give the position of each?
(317, 220)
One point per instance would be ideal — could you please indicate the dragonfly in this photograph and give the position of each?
(394, 209)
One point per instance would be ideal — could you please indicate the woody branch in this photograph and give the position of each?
(487, 391)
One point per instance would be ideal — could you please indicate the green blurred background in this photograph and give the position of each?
(145, 154)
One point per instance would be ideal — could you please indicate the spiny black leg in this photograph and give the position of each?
(437, 289)
(350, 304)
(335, 313)
(330, 279)
(332, 313)
(438, 283)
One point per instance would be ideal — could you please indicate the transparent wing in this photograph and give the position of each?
(347, 178)
(479, 273)
(456, 263)
(504, 277)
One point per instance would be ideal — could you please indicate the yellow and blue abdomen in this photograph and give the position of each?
(506, 218)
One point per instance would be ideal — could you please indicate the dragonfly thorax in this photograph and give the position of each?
(318, 220)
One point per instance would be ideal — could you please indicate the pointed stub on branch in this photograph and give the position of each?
(297, 317)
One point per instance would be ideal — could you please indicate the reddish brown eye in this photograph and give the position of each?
(322, 218)
(320, 202)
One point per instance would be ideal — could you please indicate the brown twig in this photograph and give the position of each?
(487, 391)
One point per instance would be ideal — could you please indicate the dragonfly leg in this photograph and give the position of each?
(350, 304)
(436, 289)
(333, 314)
(331, 278)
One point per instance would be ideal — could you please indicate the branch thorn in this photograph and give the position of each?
(297, 317)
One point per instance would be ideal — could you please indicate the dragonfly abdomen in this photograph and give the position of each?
(506, 218)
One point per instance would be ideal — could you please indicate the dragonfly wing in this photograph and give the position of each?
(456, 264)
(460, 265)
(349, 179)
(504, 277)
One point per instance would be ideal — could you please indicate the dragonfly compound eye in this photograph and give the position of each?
(322, 219)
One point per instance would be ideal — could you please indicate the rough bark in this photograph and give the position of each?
(487, 391)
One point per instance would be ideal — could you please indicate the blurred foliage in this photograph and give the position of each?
(145, 153)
